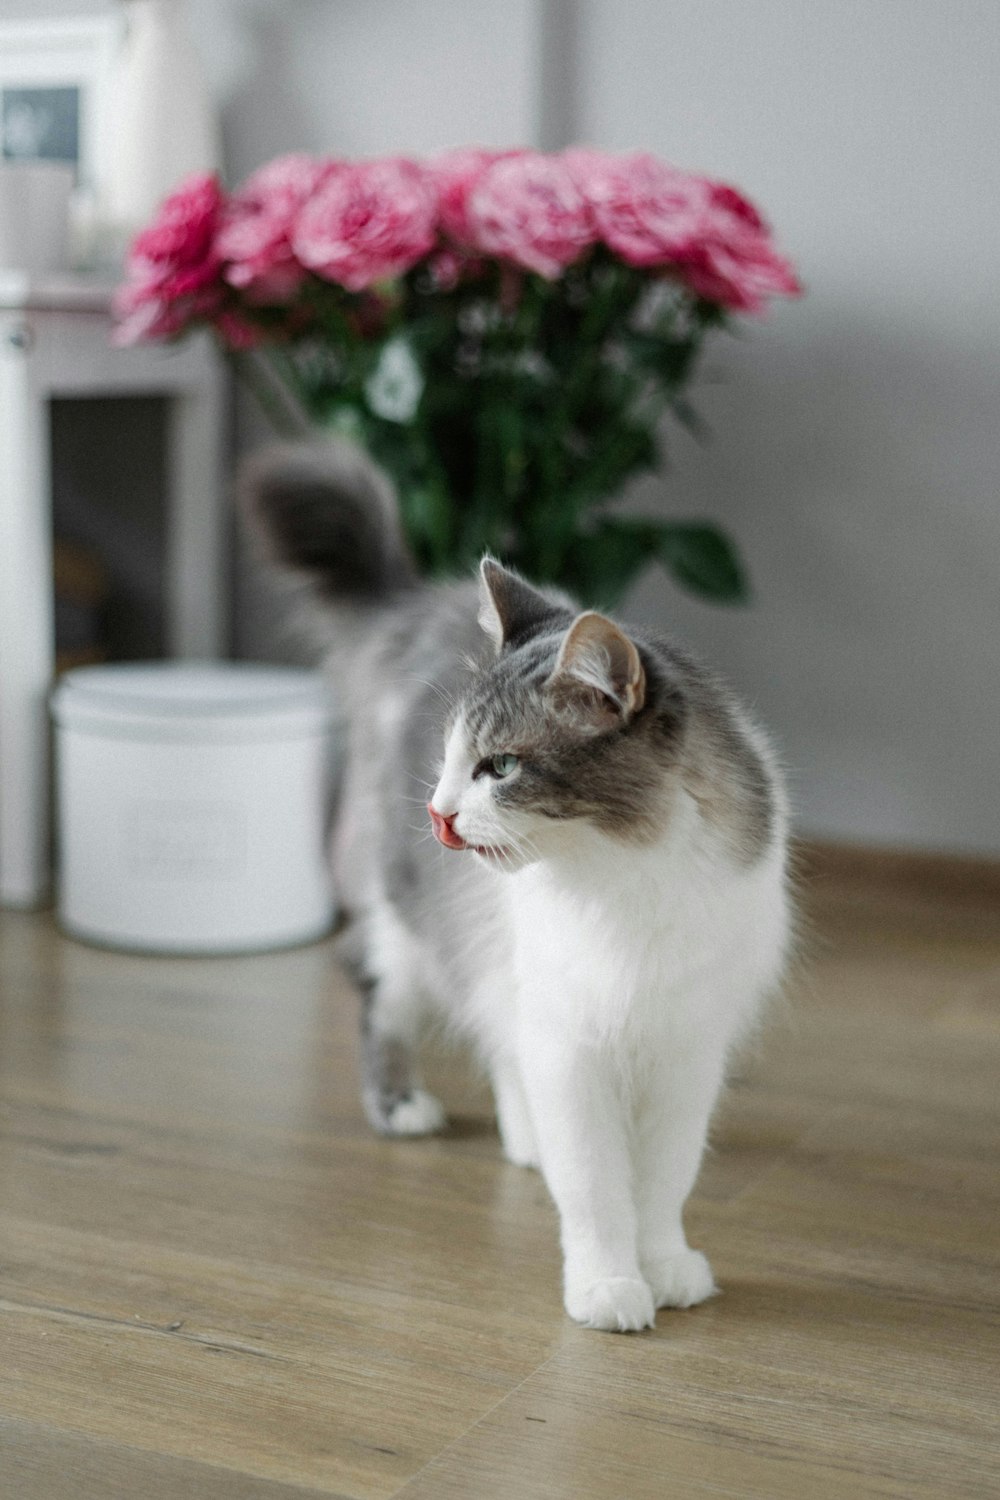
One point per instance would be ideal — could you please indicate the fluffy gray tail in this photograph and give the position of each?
(325, 511)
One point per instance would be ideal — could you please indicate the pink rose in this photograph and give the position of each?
(730, 200)
(646, 212)
(740, 275)
(255, 236)
(735, 262)
(705, 233)
(528, 209)
(172, 269)
(455, 174)
(368, 222)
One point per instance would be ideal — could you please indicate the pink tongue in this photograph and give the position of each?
(443, 831)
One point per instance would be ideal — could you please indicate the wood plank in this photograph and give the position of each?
(49, 1464)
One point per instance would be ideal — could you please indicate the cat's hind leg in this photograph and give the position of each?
(393, 1008)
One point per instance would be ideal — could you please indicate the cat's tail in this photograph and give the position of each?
(324, 512)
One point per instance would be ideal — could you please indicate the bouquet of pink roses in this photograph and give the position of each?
(502, 330)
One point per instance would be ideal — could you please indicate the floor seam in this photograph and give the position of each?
(484, 1416)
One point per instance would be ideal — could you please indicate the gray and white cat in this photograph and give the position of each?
(604, 908)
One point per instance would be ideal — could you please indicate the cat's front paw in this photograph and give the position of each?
(680, 1280)
(618, 1304)
(412, 1113)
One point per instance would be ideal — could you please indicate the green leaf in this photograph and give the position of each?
(704, 561)
(614, 449)
(691, 420)
(601, 563)
(670, 359)
(428, 517)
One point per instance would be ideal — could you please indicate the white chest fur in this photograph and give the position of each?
(625, 943)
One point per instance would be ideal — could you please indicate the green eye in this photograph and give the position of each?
(503, 765)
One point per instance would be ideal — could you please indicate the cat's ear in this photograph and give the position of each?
(598, 673)
(508, 607)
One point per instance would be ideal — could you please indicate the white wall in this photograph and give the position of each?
(370, 76)
(857, 434)
(856, 449)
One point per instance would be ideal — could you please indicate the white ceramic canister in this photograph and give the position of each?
(193, 806)
(34, 216)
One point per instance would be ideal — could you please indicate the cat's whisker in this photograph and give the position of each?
(446, 697)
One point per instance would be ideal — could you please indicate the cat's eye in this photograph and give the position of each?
(497, 766)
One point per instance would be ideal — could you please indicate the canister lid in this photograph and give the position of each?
(194, 700)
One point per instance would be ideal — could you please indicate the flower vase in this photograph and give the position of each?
(504, 333)
(160, 125)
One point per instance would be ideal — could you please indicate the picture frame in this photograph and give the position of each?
(54, 75)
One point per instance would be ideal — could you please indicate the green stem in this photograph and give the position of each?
(282, 405)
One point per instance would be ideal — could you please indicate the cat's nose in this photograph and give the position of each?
(444, 831)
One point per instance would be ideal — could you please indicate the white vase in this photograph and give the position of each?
(159, 125)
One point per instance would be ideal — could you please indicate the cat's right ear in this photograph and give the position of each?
(509, 608)
(598, 675)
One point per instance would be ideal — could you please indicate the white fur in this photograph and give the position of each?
(420, 1114)
(621, 978)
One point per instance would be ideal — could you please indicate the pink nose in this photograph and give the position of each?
(444, 830)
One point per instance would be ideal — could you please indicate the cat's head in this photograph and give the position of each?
(571, 723)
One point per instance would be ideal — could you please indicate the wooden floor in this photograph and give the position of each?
(215, 1284)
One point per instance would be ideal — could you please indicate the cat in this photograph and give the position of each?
(603, 908)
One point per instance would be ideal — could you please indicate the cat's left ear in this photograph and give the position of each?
(509, 608)
(599, 672)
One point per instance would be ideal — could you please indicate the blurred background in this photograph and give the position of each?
(854, 448)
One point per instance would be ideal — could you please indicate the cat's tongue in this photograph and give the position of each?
(443, 831)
